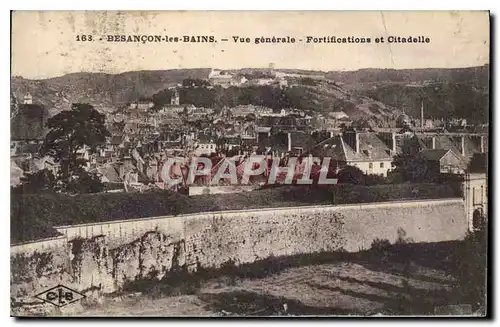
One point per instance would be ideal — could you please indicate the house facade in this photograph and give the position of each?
(441, 161)
(359, 149)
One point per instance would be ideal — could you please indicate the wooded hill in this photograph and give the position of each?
(381, 93)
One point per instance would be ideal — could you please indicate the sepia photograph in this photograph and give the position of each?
(249, 164)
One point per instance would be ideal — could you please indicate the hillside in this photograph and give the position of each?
(104, 91)
(458, 92)
(441, 100)
(452, 75)
(316, 96)
(377, 93)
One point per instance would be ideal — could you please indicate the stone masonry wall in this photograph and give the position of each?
(107, 256)
(244, 237)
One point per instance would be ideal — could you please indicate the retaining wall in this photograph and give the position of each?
(108, 255)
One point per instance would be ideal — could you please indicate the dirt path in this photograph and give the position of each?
(342, 288)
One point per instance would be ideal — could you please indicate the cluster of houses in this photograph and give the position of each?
(227, 79)
(143, 139)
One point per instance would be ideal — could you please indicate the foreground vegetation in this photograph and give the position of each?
(389, 279)
(33, 216)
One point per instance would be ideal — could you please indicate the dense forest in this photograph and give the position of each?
(305, 94)
(441, 100)
(218, 97)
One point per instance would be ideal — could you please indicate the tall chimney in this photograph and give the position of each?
(462, 145)
(352, 139)
(393, 142)
(482, 144)
(422, 116)
(289, 141)
(357, 142)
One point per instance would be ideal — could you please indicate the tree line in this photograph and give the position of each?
(200, 94)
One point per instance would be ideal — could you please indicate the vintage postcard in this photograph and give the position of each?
(236, 164)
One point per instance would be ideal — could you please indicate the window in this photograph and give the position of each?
(381, 165)
(370, 165)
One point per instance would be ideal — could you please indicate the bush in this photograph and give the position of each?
(471, 259)
(351, 175)
(381, 249)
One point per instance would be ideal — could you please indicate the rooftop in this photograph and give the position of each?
(433, 154)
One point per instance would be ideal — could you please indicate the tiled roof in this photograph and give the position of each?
(262, 129)
(333, 147)
(453, 143)
(371, 148)
(302, 140)
(110, 173)
(433, 154)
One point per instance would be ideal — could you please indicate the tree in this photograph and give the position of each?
(83, 182)
(37, 182)
(478, 163)
(471, 266)
(195, 82)
(162, 98)
(69, 132)
(351, 175)
(14, 106)
(411, 168)
(308, 81)
(372, 179)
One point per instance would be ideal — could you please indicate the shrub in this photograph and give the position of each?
(471, 259)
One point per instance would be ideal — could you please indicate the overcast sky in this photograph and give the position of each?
(44, 43)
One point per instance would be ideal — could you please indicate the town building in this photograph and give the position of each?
(475, 189)
(225, 79)
(141, 105)
(441, 161)
(205, 145)
(360, 149)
